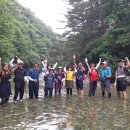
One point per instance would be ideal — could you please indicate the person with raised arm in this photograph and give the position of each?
(128, 62)
(49, 79)
(93, 77)
(5, 87)
(80, 76)
(14, 61)
(19, 79)
(69, 79)
(47, 66)
(69, 76)
(44, 65)
(105, 76)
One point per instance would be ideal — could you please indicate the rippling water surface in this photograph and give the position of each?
(67, 113)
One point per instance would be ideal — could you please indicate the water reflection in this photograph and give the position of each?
(67, 113)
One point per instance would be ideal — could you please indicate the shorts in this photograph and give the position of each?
(79, 84)
(121, 85)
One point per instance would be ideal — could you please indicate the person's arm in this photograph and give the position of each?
(11, 63)
(63, 77)
(16, 66)
(86, 61)
(115, 78)
(54, 66)
(44, 64)
(75, 66)
(65, 69)
(25, 76)
(116, 75)
(75, 70)
(98, 63)
(128, 62)
(29, 76)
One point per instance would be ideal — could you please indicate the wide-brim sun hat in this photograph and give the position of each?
(51, 69)
(60, 67)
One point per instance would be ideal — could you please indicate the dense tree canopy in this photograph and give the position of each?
(99, 27)
(24, 35)
(96, 28)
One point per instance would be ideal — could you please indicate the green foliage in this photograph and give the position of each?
(104, 28)
(24, 35)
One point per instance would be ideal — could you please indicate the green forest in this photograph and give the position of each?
(96, 28)
(99, 28)
(25, 36)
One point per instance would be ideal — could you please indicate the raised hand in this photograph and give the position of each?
(86, 59)
(45, 61)
(41, 59)
(74, 56)
(126, 58)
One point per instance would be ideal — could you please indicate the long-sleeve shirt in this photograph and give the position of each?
(19, 73)
(49, 80)
(34, 74)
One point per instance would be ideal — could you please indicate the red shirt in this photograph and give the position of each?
(93, 75)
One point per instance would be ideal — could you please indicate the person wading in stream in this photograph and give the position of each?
(33, 76)
(121, 74)
(105, 75)
(19, 74)
(49, 79)
(69, 77)
(80, 76)
(5, 88)
(93, 77)
(59, 77)
(47, 66)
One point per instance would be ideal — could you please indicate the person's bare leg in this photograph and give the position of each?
(118, 94)
(78, 92)
(81, 92)
(124, 95)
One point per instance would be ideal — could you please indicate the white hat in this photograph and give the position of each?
(104, 62)
(59, 67)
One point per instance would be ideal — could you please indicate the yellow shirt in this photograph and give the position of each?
(69, 75)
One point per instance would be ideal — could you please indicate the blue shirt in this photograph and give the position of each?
(105, 72)
(34, 74)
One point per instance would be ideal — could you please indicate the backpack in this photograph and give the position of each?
(127, 73)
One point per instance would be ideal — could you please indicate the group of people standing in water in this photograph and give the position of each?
(54, 78)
